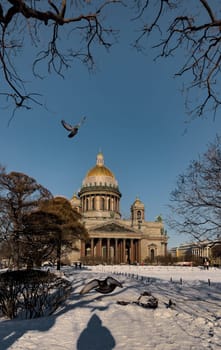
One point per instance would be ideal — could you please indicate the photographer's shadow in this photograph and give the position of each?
(95, 336)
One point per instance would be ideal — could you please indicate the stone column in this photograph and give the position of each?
(106, 202)
(119, 251)
(82, 248)
(123, 250)
(131, 251)
(111, 204)
(99, 247)
(97, 200)
(139, 251)
(85, 203)
(92, 246)
(116, 255)
(89, 203)
(165, 252)
(108, 248)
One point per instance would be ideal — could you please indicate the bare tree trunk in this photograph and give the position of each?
(59, 254)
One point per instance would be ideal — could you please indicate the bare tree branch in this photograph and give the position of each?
(196, 201)
(193, 29)
(196, 28)
(27, 17)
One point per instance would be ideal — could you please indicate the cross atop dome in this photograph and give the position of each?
(100, 159)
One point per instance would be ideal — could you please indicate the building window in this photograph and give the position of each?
(138, 215)
(102, 203)
(93, 203)
(152, 254)
(108, 203)
(87, 204)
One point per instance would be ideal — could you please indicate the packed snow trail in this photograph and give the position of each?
(96, 321)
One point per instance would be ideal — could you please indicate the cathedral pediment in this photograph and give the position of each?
(113, 227)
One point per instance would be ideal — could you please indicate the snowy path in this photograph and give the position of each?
(96, 322)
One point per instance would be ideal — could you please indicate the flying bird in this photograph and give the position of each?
(72, 128)
(102, 286)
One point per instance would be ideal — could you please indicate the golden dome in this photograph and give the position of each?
(100, 174)
(100, 171)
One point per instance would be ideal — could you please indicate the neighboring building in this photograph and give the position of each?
(111, 238)
(195, 250)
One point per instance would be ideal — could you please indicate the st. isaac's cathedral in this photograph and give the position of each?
(111, 238)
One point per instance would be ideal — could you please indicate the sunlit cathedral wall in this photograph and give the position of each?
(112, 239)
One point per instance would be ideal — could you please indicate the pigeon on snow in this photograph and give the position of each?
(102, 286)
(146, 300)
(72, 128)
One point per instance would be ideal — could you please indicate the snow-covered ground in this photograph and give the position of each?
(96, 321)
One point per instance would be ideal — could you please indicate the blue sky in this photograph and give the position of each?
(135, 116)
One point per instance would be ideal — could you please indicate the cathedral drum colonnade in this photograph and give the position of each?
(111, 238)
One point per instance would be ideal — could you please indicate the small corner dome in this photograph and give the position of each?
(138, 203)
(75, 200)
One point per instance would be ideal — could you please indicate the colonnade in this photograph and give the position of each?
(100, 202)
(112, 250)
(201, 252)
